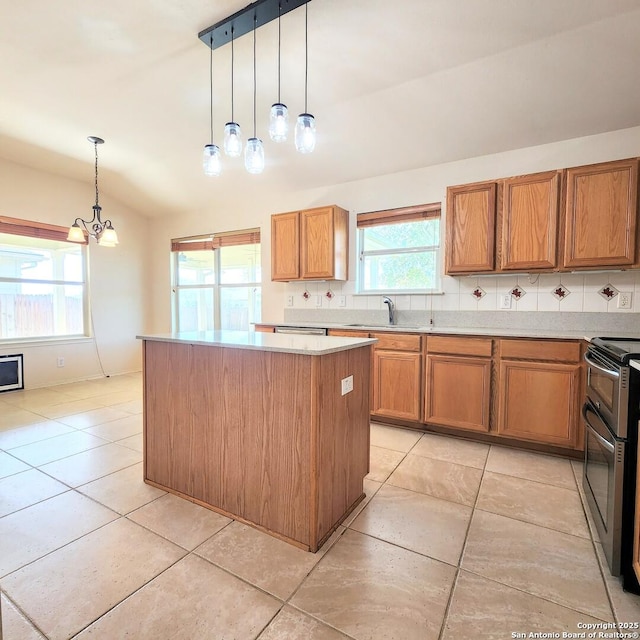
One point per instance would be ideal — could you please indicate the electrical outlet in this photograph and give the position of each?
(625, 300)
(318, 301)
(505, 301)
(347, 385)
(289, 301)
(60, 361)
(342, 301)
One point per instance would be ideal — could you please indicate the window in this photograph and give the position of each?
(399, 250)
(43, 292)
(217, 281)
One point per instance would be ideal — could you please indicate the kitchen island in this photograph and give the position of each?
(260, 427)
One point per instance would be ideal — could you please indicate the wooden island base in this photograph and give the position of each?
(262, 436)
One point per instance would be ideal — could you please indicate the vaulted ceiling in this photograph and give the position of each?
(393, 85)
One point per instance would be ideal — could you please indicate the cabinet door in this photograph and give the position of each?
(317, 250)
(540, 401)
(396, 384)
(471, 219)
(529, 222)
(458, 391)
(601, 214)
(285, 246)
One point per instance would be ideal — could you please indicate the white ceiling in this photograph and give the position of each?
(394, 85)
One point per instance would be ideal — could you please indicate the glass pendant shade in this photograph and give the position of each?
(75, 233)
(305, 133)
(108, 238)
(211, 160)
(279, 122)
(232, 139)
(254, 156)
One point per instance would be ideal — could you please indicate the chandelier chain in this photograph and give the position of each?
(95, 146)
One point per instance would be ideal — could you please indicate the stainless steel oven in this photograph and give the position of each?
(611, 413)
(603, 482)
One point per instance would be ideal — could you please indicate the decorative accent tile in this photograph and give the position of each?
(608, 292)
(329, 294)
(518, 293)
(478, 293)
(560, 292)
(306, 295)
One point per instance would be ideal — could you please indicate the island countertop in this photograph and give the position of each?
(309, 345)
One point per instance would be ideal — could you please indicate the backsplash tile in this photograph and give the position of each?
(484, 293)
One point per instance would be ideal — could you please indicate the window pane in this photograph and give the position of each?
(239, 307)
(195, 309)
(40, 310)
(404, 235)
(37, 259)
(400, 271)
(196, 267)
(240, 264)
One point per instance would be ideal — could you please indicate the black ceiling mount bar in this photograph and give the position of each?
(242, 21)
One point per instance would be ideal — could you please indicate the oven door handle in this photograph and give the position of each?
(603, 441)
(592, 363)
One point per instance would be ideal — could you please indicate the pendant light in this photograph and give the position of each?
(211, 157)
(254, 151)
(306, 124)
(232, 133)
(103, 232)
(279, 117)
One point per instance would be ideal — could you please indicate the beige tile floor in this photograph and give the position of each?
(455, 540)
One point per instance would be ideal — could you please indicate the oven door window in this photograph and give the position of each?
(599, 461)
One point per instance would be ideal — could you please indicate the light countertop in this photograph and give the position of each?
(258, 341)
(559, 333)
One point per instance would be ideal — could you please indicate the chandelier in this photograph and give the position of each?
(227, 31)
(103, 232)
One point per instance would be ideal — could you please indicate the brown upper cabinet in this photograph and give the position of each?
(471, 220)
(601, 215)
(310, 245)
(578, 218)
(529, 222)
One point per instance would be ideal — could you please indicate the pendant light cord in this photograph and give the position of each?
(211, 89)
(232, 118)
(306, 54)
(255, 20)
(279, 35)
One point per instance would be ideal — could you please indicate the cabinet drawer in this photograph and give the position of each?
(549, 350)
(459, 346)
(397, 342)
(346, 333)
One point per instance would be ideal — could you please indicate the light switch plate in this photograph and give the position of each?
(318, 301)
(347, 385)
(342, 301)
(289, 301)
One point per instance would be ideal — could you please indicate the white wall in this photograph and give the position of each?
(118, 277)
(402, 189)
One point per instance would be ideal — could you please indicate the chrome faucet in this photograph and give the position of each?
(392, 309)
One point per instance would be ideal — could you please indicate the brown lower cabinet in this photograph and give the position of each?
(540, 391)
(458, 382)
(527, 390)
(396, 379)
(635, 562)
(397, 374)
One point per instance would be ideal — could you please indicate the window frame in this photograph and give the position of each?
(212, 242)
(395, 216)
(56, 233)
